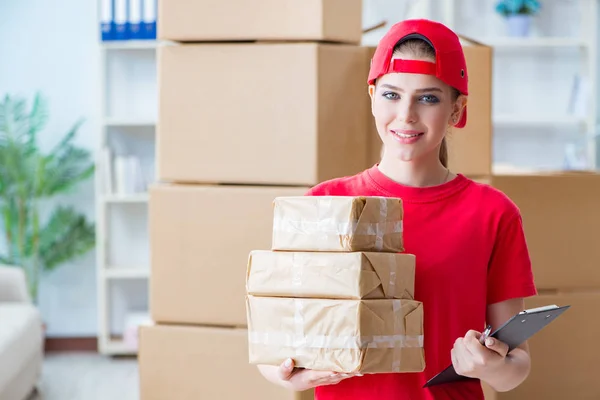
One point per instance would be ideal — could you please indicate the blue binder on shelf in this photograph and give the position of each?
(121, 19)
(149, 16)
(107, 26)
(134, 20)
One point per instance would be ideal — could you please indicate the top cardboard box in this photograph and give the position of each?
(338, 223)
(243, 20)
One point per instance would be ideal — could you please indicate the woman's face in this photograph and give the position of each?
(412, 113)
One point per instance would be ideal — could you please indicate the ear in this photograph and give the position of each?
(371, 95)
(457, 109)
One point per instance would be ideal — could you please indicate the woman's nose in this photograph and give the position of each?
(407, 112)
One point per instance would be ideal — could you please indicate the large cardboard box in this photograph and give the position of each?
(469, 148)
(321, 274)
(488, 392)
(198, 363)
(338, 223)
(234, 20)
(265, 113)
(564, 358)
(200, 240)
(367, 336)
(561, 219)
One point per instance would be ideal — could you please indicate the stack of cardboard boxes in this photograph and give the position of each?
(561, 221)
(257, 99)
(334, 293)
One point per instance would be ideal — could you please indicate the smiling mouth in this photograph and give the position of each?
(407, 134)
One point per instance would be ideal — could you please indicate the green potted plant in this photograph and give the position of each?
(518, 14)
(29, 180)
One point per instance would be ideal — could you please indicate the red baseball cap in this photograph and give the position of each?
(450, 65)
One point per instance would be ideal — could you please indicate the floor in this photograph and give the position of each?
(87, 376)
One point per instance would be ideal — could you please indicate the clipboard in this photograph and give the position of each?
(513, 332)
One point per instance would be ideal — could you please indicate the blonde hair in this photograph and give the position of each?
(421, 49)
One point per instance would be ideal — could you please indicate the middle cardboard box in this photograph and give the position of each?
(353, 275)
(264, 113)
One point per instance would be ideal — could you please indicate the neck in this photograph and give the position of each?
(421, 173)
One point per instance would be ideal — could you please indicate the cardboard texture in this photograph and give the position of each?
(488, 392)
(469, 148)
(198, 363)
(294, 114)
(232, 20)
(338, 223)
(367, 336)
(354, 275)
(564, 356)
(200, 238)
(561, 220)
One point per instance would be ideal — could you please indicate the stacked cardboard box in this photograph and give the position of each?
(334, 293)
(561, 220)
(257, 100)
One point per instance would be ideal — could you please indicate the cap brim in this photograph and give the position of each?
(463, 119)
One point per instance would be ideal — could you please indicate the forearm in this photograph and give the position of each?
(271, 373)
(512, 373)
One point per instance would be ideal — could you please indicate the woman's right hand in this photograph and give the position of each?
(300, 379)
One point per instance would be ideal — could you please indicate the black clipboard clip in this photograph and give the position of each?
(513, 332)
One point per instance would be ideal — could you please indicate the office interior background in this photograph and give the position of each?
(139, 225)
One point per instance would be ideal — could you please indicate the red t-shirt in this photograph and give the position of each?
(470, 252)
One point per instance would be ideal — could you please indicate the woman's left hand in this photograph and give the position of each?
(474, 360)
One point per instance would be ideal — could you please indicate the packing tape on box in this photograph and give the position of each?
(299, 340)
(332, 226)
(393, 267)
(282, 339)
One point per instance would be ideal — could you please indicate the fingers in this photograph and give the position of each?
(463, 359)
(497, 346)
(286, 369)
(306, 379)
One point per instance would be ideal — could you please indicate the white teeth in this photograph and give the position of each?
(406, 136)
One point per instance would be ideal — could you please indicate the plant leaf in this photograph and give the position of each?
(67, 234)
(66, 166)
(38, 118)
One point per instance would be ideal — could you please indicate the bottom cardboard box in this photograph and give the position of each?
(564, 355)
(197, 363)
(366, 336)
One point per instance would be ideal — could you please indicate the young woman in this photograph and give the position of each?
(473, 265)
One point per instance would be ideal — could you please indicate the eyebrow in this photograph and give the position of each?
(429, 89)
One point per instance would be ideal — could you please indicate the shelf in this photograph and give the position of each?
(126, 198)
(130, 45)
(129, 122)
(126, 273)
(533, 42)
(524, 120)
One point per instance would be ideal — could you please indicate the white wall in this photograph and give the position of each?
(52, 46)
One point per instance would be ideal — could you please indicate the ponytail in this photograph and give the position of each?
(444, 153)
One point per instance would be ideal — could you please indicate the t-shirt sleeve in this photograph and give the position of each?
(509, 272)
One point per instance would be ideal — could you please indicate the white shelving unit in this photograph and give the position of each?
(129, 110)
(534, 77)
(563, 44)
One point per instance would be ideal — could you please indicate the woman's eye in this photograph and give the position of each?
(430, 99)
(391, 95)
